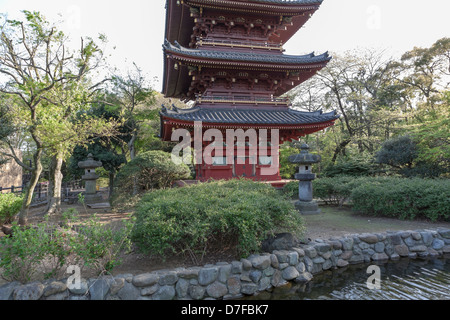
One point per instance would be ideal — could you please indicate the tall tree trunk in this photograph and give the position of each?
(341, 108)
(29, 191)
(132, 149)
(339, 149)
(56, 176)
(131, 146)
(111, 184)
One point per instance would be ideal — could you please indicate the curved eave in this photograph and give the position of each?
(289, 119)
(283, 36)
(179, 23)
(300, 12)
(274, 8)
(222, 125)
(240, 59)
(257, 65)
(178, 28)
(228, 115)
(176, 78)
(168, 123)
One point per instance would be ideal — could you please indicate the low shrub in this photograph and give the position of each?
(358, 165)
(331, 190)
(198, 219)
(10, 205)
(290, 189)
(404, 198)
(397, 152)
(21, 255)
(336, 190)
(395, 197)
(149, 170)
(42, 251)
(98, 246)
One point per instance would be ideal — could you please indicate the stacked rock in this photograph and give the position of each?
(253, 275)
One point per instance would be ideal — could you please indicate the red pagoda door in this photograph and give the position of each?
(244, 167)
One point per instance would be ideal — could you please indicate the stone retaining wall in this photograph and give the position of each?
(248, 276)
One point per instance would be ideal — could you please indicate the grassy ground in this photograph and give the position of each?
(336, 222)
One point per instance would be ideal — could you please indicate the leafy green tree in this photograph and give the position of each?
(379, 99)
(49, 83)
(149, 129)
(356, 166)
(397, 152)
(108, 150)
(424, 70)
(287, 169)
(432, 137)
(134, 99)
(6, 130)
(150, 170)
(62, 135)
(353, 84)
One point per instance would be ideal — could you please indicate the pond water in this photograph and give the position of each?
(400, 280)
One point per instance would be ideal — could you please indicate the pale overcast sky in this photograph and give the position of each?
(136, 27)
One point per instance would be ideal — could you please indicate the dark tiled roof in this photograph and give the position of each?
(246, 56)
(250, 116)
(288, 1)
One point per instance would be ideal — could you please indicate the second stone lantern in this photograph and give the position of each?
(306, 204)
(90, 178)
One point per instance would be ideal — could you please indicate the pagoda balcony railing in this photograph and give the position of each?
(239, 44)
(242, 100)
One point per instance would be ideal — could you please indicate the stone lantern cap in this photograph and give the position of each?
(304, 157)
(90, 163)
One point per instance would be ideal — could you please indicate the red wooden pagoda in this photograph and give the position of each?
(227, 57)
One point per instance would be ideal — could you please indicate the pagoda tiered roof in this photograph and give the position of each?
(263, 60)
(215, 61)
(284, 119)
(278, 117)
(227, 57)
(286, 1)
(176, 80)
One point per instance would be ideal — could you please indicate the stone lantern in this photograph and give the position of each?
(90, 178)
(306, 205)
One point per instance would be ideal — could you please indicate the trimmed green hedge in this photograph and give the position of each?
(404, 198)
(337, 190)
(331, 190)
(201, 218)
